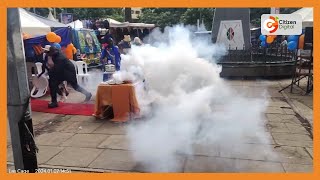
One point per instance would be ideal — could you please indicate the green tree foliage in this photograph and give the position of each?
(117, 17)
(190, 16)
(255, 14)
(169, 16)
(82, 13)
(93, 13)
(162, 17)
(127, 15)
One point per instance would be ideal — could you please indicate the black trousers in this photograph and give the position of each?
(54, 88)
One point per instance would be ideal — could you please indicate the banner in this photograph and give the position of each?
(66, 18)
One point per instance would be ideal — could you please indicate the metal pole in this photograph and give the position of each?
(23, 147)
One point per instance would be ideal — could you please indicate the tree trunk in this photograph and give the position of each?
(127, 15)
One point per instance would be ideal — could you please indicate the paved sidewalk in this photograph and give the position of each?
(83, 143)
(301, 103)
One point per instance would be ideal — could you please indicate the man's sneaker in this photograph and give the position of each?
(88, 97)
(53, 105)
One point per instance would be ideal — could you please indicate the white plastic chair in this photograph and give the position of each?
(39, 67)
(39, 70)
(40, 86)
(75, 65)
(80, 66)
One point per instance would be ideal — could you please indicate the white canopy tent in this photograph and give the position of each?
(50, 17)
(35, 25)
(141, 25)
(307, 16)
(116, 24)
(76, 24)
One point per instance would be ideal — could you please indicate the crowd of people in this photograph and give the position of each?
(111, 53)
(118, 33)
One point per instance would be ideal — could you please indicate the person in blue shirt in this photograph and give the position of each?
(111, 52)
(125, 44)
(106, 37)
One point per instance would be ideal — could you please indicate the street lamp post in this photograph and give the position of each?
(20, 122)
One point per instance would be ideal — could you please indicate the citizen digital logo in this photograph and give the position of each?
(285, 24)
(281, 24)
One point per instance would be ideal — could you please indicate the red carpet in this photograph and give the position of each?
(64, 108)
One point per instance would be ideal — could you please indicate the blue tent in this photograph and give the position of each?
(64, 33)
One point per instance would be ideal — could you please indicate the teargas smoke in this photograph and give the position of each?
(91, 82)
(184, 103)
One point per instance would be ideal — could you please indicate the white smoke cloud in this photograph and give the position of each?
(186, 102)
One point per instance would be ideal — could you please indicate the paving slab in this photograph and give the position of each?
(119, 142)
(277, 99)
(258, 139)
(234, 82)
(293, 155)
(47, 152)
(290, 119)
(297, 129)
(75, 157)
(297, 168)
(54, 124)
(291, 137)
(249, 152)
(289, 111)
(201, 164)
(39, 117)
(44, 154)
(85, 140)
(53, 138)
(274, 110)
(58, 125)
(273, 118)
(301, 103)
(79, 118)
(82, 127)
(283, 118)
(114, 160)
(258, 92)
(310, 151)
(175, 165)
(277, 127)
(206, 149)
(294, 143)
(304, 110)
(274, 92)
(111, 129)
(279, 104)
(268, 153)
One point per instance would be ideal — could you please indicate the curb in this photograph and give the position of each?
(294, 108)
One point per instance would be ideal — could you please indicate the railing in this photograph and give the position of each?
(257, 54)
